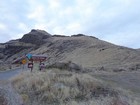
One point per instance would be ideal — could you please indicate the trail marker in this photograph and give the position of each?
(30, 65)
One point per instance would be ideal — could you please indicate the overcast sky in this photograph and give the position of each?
(116, 21)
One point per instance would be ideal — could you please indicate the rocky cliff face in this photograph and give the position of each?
(36, 37)
(13, 48)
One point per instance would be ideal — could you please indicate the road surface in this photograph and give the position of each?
(8, 74)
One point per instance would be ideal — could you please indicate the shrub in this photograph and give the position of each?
(66, 66)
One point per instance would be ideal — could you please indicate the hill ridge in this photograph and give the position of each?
(87, 51)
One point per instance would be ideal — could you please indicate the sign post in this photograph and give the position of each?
(41, 65)
(30, 65)
(31, 58)
(23, 62)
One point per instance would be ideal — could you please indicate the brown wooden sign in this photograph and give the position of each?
(24, 59)
(39, 58)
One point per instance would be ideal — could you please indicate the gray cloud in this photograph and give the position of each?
(114, 21)
(13, 12)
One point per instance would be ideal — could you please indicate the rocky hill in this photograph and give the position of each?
(36, 37)
(87, 51)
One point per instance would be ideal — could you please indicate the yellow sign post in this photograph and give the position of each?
(24, 61)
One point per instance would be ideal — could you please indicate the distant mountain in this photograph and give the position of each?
(88, 51)
(138, 49)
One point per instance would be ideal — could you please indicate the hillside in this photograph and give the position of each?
(87, 51)
(90, 52)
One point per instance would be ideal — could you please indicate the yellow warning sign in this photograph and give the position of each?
(24, 61)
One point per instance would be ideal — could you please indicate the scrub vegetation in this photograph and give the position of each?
(63, 87)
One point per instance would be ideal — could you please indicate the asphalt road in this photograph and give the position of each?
(8, 74)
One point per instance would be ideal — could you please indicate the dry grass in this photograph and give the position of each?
(55, 87)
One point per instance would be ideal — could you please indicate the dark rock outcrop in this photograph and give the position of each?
(13, 49)
(35, 37)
